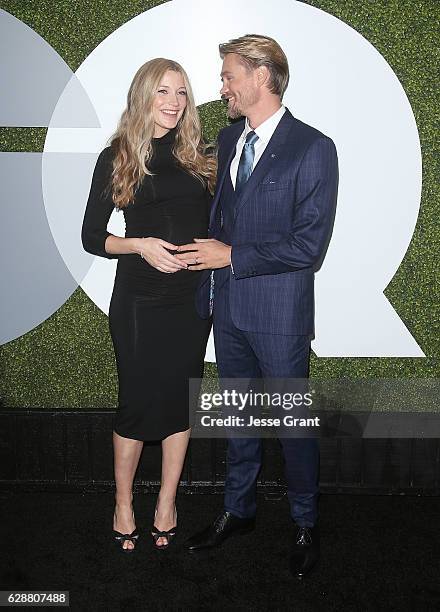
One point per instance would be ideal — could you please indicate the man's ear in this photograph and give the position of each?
(263, 75)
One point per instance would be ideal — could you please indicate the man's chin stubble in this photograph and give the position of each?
(234, 113)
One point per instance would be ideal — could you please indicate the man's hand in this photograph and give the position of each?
(205, 254)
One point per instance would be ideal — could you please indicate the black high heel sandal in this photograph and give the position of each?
(168, 535)
(120, 538)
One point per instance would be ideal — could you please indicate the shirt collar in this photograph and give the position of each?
(267, 128)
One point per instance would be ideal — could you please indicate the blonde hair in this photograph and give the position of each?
(132, 141)
(256, 50)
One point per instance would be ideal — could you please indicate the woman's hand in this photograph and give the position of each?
(154, 251)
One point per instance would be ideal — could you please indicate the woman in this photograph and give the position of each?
(157, 171)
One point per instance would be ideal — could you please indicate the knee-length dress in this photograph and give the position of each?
(158, 337)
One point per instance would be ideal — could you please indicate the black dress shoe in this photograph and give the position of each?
(305, 551)
(224, 526)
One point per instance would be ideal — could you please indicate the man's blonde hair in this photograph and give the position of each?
(256, 50)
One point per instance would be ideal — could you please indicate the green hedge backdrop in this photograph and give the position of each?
(68, 362)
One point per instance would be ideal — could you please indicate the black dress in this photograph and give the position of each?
(159, 339)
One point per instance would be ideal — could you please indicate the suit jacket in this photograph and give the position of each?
(282, 226)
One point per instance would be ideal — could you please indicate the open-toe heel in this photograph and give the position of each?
(120, 538)
(168, 535)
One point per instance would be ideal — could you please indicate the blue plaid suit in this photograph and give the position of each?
(279, 228)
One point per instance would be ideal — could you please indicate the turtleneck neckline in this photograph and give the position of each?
(166, 138)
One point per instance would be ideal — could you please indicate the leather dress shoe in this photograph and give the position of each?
(224, 526)
(305, 551)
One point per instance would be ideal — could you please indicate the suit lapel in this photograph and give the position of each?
(268, 159)
(231, 145)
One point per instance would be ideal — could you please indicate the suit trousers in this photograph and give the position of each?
(251, 355)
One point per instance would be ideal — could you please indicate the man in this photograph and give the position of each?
(271, 221)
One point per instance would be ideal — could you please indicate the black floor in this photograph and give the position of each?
(378, 553)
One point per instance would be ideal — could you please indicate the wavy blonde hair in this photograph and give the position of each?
(132, 141)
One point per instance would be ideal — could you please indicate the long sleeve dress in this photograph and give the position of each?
(158, 337)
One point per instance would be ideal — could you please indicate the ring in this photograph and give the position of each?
(196, 261)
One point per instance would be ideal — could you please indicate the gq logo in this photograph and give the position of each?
(339, 83)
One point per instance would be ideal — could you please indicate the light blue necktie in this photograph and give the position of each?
(246, 162)
(243, 173)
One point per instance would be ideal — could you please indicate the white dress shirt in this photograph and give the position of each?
(264, 133)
